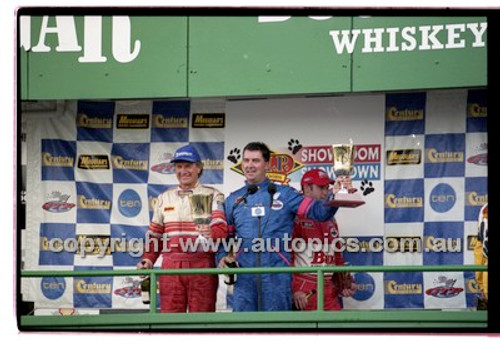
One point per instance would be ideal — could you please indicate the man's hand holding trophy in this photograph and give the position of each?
(343, 164)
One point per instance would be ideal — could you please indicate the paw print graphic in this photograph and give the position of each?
(294, 146)
(234, 155)
(367, 187)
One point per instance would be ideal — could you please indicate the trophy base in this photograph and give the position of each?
(346, 200)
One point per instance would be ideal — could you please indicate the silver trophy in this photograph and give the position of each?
(201, 210)
(343, 165)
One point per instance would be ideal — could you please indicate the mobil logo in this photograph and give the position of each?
(442, 198)
(129, 203)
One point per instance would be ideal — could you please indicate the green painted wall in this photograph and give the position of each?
(429, 68)
(201, 56)
(239, 56)
(158, 71)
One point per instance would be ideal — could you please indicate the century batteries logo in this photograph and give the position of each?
(444, 155)
(444, 288)
(58, 203)
(93, 162)
(475, 198)
(93, 203)
(50, 160)
(161, 121)
(132, 121)
(404, 157)
(404, 200)
(394, 288)
(84, 121)
(394, 114)
(442, 198)
(435, 156)
(122, 163)
(87, 286)
(392, 201)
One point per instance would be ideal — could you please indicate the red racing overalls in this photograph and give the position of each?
(317, 250)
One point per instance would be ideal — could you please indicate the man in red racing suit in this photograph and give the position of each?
(314, 245)
(172, 230)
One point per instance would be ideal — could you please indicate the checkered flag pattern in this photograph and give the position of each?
(96, 169)
(434, 187)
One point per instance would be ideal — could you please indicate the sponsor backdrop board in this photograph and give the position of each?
(96, 167)
(95, 171)
(436, 181)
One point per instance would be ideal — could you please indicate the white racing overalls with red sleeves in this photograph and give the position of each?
(171, 233)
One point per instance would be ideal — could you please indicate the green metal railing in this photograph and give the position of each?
(320, 318)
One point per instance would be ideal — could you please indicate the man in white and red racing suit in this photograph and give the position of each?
(319, 248)
(173, 234)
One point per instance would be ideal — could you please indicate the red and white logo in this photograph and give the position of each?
(58, 203)
(444, 288)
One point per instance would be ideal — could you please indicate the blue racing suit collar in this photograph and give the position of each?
(261, 185)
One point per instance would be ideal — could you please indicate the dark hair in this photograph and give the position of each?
(258, 146)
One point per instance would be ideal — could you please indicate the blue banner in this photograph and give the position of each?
(404, 200)
(92, 292)
(94, 202)
(170, 121)
(130, 162)
(477, 111)
(443, 243)
(58, 160)
(94, 121)
(403, 290)
(405, 113)
(57, 244)
(444, 155)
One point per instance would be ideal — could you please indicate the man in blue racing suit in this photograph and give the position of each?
(262, 214)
